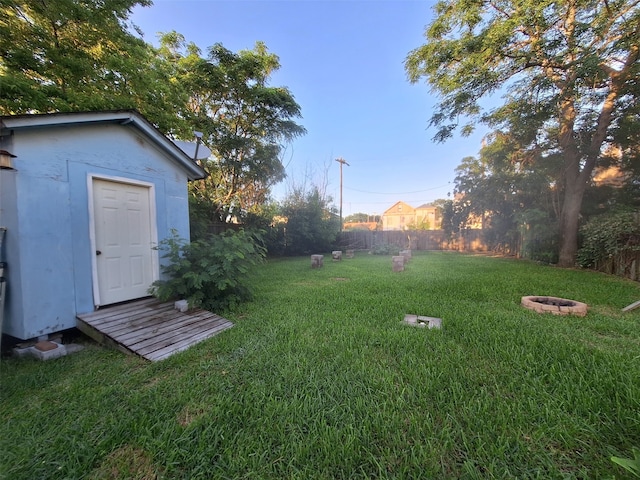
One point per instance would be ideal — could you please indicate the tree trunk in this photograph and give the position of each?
(569, 220)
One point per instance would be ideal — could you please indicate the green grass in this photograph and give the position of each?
(318, 379)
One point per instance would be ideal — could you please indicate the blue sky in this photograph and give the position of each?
(343, 61)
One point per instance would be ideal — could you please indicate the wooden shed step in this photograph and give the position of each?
(149, 328)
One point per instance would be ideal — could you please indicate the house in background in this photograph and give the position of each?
(398, 217)
(88, 198)
(402, 216)
(428, 217)
(360, 226)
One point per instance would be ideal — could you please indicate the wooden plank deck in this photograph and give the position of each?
(149, 328)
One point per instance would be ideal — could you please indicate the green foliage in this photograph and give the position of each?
(267, 220)
(631, 465)
(70, 55)
(515, 199)
(385, 249)
(419, 226)
(67, 55)
(203, 217)
(312, 226)
(209, 273)
(609, 235)
(561, 97)
(361, 218)
(539, 236)
(244, 121)
(454, 217)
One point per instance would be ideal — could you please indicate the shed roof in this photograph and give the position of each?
(122, 117)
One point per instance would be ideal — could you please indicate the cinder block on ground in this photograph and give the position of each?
(46, 350)
(181, 306)
(406, 254)
(21, 352)
(317, 261)
(336, 255)
(43, 350)
(398, 263)
(59, 351)
(421, 321)
(73, 348)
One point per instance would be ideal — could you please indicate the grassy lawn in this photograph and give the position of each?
(318, 379)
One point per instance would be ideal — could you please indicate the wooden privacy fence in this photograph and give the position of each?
(626, 264)
(469, 240)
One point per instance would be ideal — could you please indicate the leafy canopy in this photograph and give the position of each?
(69, 55)
(540, 54)
(311, 224)
(568, 71)
(244, 121)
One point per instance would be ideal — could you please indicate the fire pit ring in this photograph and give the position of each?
(555, 305)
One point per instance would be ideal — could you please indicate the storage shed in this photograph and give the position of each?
(84, 201)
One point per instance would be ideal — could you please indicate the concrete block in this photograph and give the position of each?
(398, 263)
(60, 351)
(41, 351)
(317, 261)
(350, 254)
(22, 352)
(46, 352)
(181, 306)
(336, 255)
(406, 254)
(422, 322)
(73, 348)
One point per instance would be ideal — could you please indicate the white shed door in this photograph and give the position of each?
(123, 240)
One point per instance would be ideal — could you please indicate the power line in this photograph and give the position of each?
(396, 193)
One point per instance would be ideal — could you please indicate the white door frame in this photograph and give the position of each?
(155, 264)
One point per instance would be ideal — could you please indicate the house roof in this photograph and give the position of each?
(425, 206)
(394, 209)
(122, 117)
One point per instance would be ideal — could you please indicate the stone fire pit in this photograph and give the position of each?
(555, 305)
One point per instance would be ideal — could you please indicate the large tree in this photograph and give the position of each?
(67, 55)
(568, 70)
(245, 121)
(70, 55)
(311, 224)
(515, 200)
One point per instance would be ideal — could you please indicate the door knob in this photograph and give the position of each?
(98, 252)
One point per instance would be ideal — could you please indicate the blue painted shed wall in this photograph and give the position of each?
(48, 243)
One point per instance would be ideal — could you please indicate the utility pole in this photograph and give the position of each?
(342, 162)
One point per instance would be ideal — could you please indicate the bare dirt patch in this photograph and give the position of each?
(127, 462)
(190, 414)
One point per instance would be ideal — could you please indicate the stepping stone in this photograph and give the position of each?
(422, 322)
